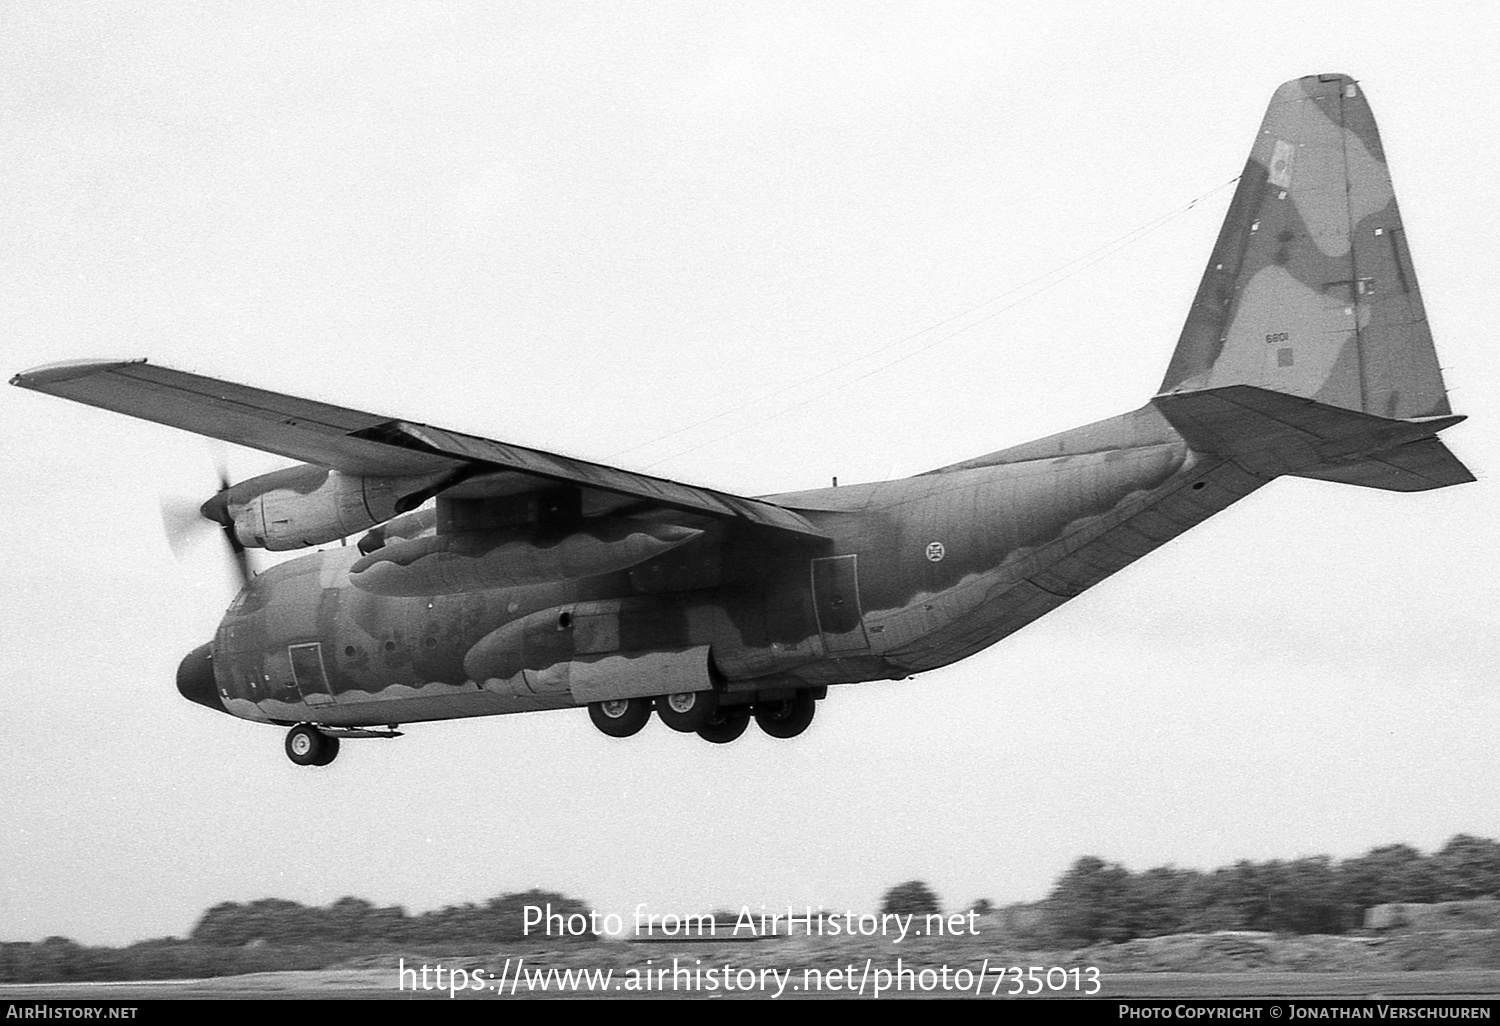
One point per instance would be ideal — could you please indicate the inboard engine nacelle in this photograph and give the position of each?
(309, 505)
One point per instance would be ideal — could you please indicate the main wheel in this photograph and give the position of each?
(725, 725)
(687, 711)
(306, 745)
(787, 717)
(620, 717)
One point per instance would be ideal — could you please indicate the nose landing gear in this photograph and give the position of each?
(306, 745)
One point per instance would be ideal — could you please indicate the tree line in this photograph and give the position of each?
(1098, 901)
(273, 934)
(1094, 901)
(356, 921)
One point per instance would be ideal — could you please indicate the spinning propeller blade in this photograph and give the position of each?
(186, 521)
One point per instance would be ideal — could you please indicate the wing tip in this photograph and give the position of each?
(67, 370)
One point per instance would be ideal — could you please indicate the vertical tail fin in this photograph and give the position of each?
(1306, 350)
(1310, 290)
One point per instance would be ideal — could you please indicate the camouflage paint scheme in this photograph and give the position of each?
(748, 606)
(539, 582)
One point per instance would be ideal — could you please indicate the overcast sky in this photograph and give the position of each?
(693, 238)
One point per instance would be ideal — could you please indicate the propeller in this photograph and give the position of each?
(186, 522)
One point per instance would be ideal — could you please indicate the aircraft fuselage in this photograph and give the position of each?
(918, 573)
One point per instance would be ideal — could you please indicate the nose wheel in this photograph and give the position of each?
(306, 745)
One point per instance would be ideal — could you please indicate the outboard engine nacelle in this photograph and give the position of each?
(309, 505)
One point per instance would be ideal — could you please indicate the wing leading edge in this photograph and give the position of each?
(355, 442)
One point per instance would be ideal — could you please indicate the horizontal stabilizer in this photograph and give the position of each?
(1273, 433)
(1413, 467)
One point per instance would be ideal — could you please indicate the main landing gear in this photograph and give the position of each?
(706, 714)
(726, 725)
(622, 716)
(687, 712)
(788, 717)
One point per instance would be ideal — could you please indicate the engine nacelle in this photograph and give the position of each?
(311, 505)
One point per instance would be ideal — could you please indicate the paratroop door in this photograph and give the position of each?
(835, 585)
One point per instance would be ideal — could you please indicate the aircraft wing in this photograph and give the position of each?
(354, 442)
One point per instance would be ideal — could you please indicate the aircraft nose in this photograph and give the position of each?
(195, 679)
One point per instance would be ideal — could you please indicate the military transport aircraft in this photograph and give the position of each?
(537, 581)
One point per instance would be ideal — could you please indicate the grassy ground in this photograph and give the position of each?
(1224, 964)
